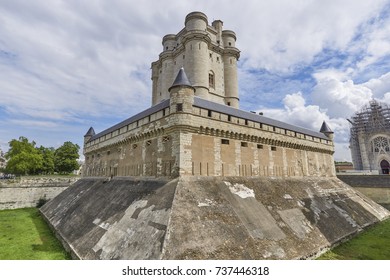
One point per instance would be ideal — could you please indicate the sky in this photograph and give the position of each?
(68, 65)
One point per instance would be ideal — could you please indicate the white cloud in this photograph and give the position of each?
(287, 35)
(379, 86)
(296, 112)
(340, 98)
(73, 62)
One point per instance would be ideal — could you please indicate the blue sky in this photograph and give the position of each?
(69, 65)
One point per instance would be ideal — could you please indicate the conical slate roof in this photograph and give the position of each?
(181, 79)
(90, 132)
(325, 128)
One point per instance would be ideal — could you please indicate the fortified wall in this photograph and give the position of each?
(194, 177)
(28, 191)
(190, 136)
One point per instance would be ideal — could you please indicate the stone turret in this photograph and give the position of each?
(230, 58)
(325, 129)
(196, 43)
(181, 93)
(90, 133)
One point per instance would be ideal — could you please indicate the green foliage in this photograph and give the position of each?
(65, 158)
(26, 159)
(25, 236)
(372, 244)
(48, 160)
(42, 201)
(23, 157)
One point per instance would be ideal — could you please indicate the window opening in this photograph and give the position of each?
(211, 80)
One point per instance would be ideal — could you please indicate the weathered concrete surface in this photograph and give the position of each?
(376, 181)
(208, 217)
(123, 218)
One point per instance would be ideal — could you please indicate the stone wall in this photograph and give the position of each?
(27, 191)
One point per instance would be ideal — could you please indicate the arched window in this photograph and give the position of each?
(211, 79)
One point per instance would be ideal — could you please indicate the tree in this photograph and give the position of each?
(48, 160)
(23, 157)
(65, 158)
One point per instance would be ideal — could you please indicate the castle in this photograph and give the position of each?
(195, 177)
(194, 126)
(370, 138)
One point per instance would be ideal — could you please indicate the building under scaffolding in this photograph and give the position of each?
(370, 138)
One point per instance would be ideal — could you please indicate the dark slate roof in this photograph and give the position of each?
(216, 107)
(90, 132)
(181, 79)
(325, 128)
(141, 115)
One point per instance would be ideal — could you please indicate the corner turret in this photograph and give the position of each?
(90, 133)
(196, 21)
(181, 93)
(325, 129)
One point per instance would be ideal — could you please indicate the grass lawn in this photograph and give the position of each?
(372, 244)
(25, 236)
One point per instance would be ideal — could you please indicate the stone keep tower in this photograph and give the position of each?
(208, 56)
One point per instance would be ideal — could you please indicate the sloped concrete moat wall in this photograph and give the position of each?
(26, 192)
(377, 181)
(208, 217)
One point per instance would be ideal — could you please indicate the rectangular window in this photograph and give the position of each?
(209, 114)
(225, 141)
(273, 148)
(246, 122)
(211, 80)
(179, 107)
(244, 144)
(229, 118)
(259, 146)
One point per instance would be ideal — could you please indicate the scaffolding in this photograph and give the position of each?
(374, 118)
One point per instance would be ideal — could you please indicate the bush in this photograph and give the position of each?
(42, 201)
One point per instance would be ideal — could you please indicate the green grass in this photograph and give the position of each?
(25, 236)
(372, 244)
